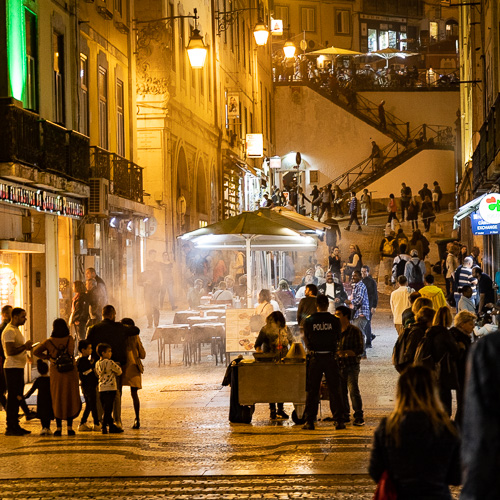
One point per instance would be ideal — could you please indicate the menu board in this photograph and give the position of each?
(239, 338)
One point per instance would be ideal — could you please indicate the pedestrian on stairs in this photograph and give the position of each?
(353, 211)
(392, 208)
(381, 115)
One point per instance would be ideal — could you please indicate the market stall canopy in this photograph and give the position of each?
(334, 51)
(466, 210)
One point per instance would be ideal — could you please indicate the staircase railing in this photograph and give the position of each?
(394, 154)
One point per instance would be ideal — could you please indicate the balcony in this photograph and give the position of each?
(125, 176)
(486, 160)
(45, 146)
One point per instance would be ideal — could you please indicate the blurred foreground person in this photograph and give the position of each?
(481, 424)
(417, 446)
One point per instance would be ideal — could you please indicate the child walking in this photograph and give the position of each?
(107, 371)
(88, 380)
(44, 399)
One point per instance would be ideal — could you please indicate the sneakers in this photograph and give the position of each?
(359, 422)
(283, 415)
(71, 432)
(114, 429)
(308, 426)
(97, 427)
(85, 427)
(347, 228)
(339, 426)
(46, 432)
(58, 432)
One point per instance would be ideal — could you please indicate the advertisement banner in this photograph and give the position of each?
(482, 227)
(233, 105)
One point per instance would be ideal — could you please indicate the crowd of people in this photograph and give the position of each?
(110, 357)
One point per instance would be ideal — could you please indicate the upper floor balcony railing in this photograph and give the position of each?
(125, 176)
(487, 150)
(27, 139)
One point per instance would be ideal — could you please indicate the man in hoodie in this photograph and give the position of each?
(433, 292)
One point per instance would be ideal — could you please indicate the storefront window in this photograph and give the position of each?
(372, 40)
(10, 281)
(383, 40)
(64, 249)
(433, 31)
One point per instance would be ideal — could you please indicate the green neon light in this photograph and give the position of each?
(16, 48)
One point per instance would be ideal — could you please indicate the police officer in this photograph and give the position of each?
(321, 335)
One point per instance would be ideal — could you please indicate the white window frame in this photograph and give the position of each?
(308, 19)
(344, 26)
(103, 107)
(120, 118)
(281, 12)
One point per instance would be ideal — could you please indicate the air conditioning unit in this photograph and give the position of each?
(98, 201)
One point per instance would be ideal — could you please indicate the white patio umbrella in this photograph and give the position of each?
(389, 53)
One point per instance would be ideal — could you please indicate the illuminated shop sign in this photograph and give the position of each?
(40, 200)
(482, 227)
(489, 208)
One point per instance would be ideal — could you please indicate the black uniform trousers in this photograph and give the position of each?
(317, 365)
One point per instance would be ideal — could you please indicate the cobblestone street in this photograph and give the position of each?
(186, 447)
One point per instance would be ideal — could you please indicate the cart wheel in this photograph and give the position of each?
(296, 419)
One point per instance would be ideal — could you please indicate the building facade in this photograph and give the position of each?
(479, 170)
(67, 165)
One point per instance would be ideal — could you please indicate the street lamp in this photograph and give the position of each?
(196, 49)
(228, 18)
(289, 49)
(261, 33)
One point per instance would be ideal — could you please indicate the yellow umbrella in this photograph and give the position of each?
(334, 51)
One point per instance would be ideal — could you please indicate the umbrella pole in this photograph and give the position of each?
(249, 275)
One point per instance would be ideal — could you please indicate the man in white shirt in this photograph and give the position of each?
(334, 290)
(15, 348)
(400, 300)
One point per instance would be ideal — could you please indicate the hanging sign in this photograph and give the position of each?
(481, 227)
(255, 145)
(275, 162)
(233, 105)
(489, 208)
(276, 27)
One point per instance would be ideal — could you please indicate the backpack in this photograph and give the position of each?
(417, 272)
(400, 267)
(402, 241)
(402, 353)
(423, 354)
(388, 247)
(64, 361)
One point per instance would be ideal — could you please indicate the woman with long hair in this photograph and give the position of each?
(417, 445)
(354, 262)
(79, 310)
(392, 209)
(133, 370)
(276, 338)
(445, 353)
(64, 386)
(413, 210)
(462, 331)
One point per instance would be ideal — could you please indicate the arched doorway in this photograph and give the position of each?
(201, 195)
(182, 194)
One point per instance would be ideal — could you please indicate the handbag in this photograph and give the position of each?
(385, 488)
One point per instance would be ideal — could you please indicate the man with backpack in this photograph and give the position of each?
(400, 240)
(415, 271)
(400, 301)
(405, 200)
(399, 263)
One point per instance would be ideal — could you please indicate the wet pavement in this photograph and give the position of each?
(187, 448)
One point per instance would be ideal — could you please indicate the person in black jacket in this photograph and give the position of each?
(108, 331)
(417, 444)
(321, 336)
(307, 305)
(445, 353)
(462, 330)
(334, 290)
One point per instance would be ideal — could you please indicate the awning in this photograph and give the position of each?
(465, 210)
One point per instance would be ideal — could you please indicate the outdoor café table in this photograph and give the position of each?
(215, 312)
(212, 306)
(193, 320)
(170, 334)
(291, 313)
(212, 333)
(182, 316)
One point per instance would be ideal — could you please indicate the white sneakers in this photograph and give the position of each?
(45, 432)
(97, 427)
(85, 427)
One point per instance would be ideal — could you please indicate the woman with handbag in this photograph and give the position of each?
(64, 382)
(275, 338)
(416, 450)
(133, 370)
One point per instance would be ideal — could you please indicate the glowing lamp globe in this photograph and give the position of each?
(261, 34)
(289, 49)
(197, 52)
